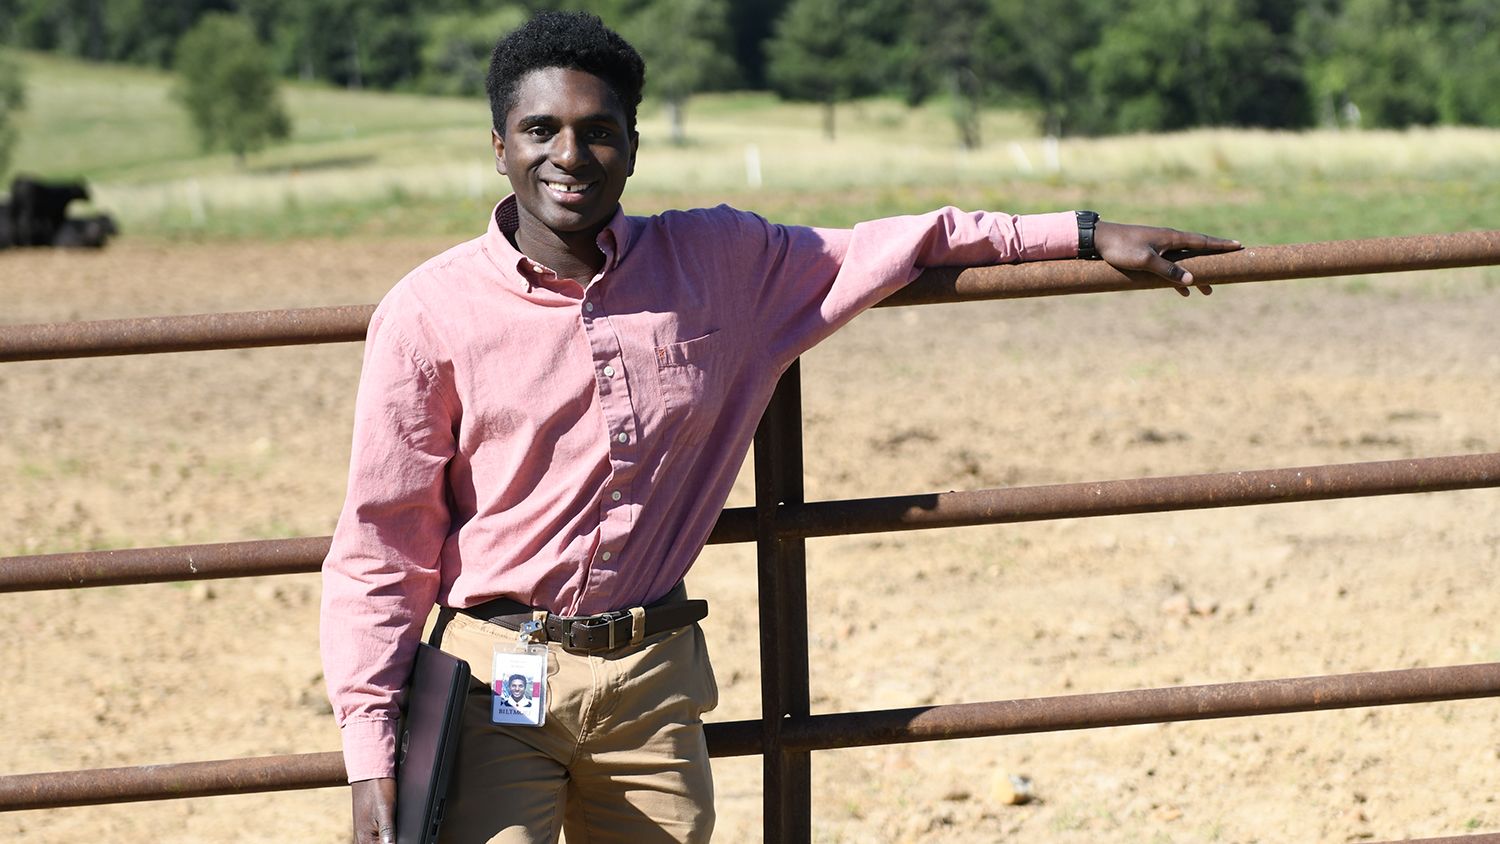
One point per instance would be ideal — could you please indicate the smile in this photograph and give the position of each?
(568, 190)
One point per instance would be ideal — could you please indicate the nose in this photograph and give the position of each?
(568, 150)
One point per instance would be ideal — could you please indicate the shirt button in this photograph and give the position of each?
(609, 372)
(588, 307)
(623, 437)
(614, 496)
(605, 556)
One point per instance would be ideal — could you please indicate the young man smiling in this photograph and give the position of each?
(549, 420)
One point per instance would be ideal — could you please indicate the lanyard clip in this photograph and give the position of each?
(528, 632)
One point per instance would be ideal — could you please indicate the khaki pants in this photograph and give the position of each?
(621, 757)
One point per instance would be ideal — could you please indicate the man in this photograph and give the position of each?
(550, 418)
(516, 687)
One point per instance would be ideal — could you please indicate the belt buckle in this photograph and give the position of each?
(606, 620)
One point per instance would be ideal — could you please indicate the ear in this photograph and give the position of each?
(635, 144)
(498, 142)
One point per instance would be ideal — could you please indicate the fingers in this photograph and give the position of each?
(1196, 242)
(1183, 244)
(383, 833)
(1175, 274)
(1156, 250)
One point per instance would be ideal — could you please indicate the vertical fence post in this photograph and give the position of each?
(782, 565)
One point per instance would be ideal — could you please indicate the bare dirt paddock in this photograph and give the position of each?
(242, 444)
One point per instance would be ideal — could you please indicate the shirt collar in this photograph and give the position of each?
(614, 241)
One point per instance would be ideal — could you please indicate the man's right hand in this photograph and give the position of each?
(375, 811)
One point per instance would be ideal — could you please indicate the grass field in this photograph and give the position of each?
(381, 164)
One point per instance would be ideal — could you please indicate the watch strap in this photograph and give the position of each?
(1086, 222)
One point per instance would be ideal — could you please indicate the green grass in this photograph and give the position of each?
(365, 164)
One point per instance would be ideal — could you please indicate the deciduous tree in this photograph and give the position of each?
(950, 46)
(1470, 88)
(226, 82)
(1039, 56)
(1171, 64)
(828, 51)
(457, 45)
(1380, 65)
(687, 49)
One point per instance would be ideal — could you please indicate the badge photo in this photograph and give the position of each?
(519, 689)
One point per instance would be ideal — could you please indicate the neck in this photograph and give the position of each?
(574, 255)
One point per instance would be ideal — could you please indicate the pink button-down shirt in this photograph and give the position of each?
(571, 445)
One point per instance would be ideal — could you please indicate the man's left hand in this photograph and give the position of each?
(1140, 248)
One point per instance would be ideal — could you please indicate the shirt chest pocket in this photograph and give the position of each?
(690, 375)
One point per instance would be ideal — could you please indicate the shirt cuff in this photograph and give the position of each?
(369, 749)
(1048, 236)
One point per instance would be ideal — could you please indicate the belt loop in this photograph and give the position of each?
(440, 626)
(637, 625)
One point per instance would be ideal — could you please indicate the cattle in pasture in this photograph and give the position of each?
(37, 215)
(91, 232)
(38, 208)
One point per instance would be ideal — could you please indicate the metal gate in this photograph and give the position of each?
(779, 524)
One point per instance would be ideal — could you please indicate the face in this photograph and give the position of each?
(517, 689)
(566, 150)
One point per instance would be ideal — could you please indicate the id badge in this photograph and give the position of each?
(518, 692)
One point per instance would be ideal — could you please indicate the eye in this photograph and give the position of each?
(540, 132)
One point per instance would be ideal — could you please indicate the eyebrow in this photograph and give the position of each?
(543, 119)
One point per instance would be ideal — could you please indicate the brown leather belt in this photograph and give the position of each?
(595, 633)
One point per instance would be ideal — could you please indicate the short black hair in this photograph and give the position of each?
(576, 40)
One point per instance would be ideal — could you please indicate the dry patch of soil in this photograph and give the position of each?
(232, 445)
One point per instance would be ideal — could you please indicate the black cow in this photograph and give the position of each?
(89, 232)
(37, 209)
(7, 235)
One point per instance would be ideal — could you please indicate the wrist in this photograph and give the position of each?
(1087, 224)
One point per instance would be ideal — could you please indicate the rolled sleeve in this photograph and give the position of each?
(1046, 237)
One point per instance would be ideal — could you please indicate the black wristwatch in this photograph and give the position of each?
(1086, 222)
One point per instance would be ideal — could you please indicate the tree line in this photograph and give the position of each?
(1085, 67)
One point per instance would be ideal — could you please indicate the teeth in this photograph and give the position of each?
(566, 188)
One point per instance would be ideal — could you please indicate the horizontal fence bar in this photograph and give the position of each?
(1479, 838)
(1143, 495)
(125, 566)
(1143, 706)
(251, 558)
(189, 333)
(829, 518)
(48, 341)
(1254, 263)
(819, 732)
(58, 789)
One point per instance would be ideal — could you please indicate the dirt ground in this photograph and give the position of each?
(234, 445)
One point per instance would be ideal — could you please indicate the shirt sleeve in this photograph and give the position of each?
(815, 280)
(380, 578)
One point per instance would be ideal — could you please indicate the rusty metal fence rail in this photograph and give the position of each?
(779, 524)
(250, 329)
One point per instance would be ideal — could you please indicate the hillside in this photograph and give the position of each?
(393, 164)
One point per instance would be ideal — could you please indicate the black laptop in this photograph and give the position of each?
(429, 741)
